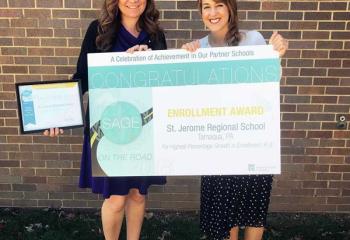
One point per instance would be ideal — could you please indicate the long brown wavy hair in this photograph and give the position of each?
(110, 22)
(232, 36)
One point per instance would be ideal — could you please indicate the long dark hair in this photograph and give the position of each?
(110, 21)
(232, 36)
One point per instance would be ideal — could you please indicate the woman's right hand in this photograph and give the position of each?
(53, 132)
(191, 46)
(136, 48)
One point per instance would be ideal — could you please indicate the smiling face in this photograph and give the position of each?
(215, 15)
(131, 9)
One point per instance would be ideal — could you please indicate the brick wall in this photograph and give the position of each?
(40, 40)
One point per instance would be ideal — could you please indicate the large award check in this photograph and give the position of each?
(212, 112)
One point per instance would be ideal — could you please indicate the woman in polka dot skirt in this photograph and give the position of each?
(230, 202)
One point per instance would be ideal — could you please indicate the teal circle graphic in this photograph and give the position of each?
(121, 123)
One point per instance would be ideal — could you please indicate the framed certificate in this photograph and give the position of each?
(44, 105)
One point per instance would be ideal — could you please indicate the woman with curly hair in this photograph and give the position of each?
(124, 25)
(230, 202)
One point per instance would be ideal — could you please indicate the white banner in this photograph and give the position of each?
(213, 113)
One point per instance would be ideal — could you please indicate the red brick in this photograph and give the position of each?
(14, 51)
(27, 60)
(89, 14)
(6, 41)
(319, 134)
(3, 3)
(313, 72)
(22, 3)
(318, 151)
(301, 45)
(345, 82)
(304, 5)
(344, 99)
(40, 51)
(300, 63)
(297, 25)
(297, 99)
(316, 35)
(324, 99)
(331, 26)
(37, 13)
(304, 159)
(56, 61)
(299, 81)
(77, 4)
(65, 13)
(52, 23)
(328, 192)
(341, 35)
(331, 160)
(40, 32)
(341, 16)
(341, 151)
(332, 143)
(24, 187)
(288, 90)
(49, 4)
(338, 90)
(333, 6)
(42, 69)
(292, 151)
(314, 184)
(181, 5)
(23, 156)
(176, 15)
(293, 134)
(275, 25)
(253, 5)
(45, 156)
(48, 172)
(11, 13)
(10, 163)
(261, 15)
(318, 16)
(66, 33)
(329, 45)
(295, 116)
(311, 90)
(328, 63)
(28, 23)
(342, 134)
(338, 200)
(309, 108)
(307, 125)
(336, 108)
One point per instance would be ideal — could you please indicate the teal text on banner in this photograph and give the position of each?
(181, 74)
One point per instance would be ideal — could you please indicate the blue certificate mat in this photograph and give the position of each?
(44, 105)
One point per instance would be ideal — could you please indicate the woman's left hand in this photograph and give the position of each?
(138, 48)
(279, 43)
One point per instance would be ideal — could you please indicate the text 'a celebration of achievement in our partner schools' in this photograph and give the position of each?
(211, 112)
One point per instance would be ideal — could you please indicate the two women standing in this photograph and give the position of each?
(230, 202)
(132, 25)
(123, 25)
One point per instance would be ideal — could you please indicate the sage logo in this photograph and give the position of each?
(251, 167)
(121, 123)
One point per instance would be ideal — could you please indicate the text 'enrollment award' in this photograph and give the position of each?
(212, 112)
